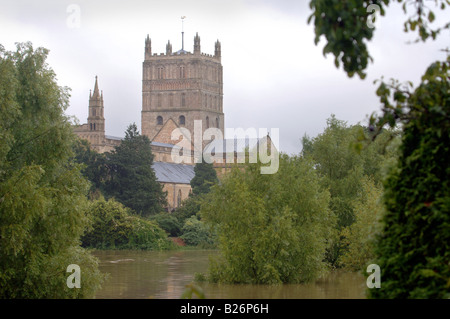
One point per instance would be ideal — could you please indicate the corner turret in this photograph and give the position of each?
(168, 48)
(148, 47)
(217, 50)
(197, 44)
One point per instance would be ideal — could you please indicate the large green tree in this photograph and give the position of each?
(42, 192)
(271, 228)
(413, 249)
(132, 180)
(344, 168)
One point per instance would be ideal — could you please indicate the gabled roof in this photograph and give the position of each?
(173, 173)
(164, 133)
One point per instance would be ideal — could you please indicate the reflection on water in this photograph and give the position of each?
(160, 275)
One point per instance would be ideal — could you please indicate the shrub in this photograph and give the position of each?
(168, 222)
(113, 227)
(196, 233)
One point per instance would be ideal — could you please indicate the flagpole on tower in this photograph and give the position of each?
(182, 32)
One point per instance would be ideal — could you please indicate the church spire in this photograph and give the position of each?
(96, 93)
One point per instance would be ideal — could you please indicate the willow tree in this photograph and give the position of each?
(42, 193)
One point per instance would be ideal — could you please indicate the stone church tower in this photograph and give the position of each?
(96, 119)
(181, 87)
(94, 129)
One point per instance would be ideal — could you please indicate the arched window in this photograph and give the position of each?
(217, 122)
(179, 198)
(207, 122)
(159, 120)
(94, 126)
(91, 126)
(182, 120)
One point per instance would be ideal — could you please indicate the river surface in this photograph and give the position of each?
(164, 275)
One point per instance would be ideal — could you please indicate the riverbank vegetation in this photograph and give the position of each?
(43, 204)
(271, 228)
(356, 194)
(314, 214)
(114, 226)
(412, 247)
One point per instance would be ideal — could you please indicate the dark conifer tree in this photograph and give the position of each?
(132, 180)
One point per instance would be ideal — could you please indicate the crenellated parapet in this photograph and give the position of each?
(170, 54)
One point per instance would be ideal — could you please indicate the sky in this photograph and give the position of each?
(274, 74)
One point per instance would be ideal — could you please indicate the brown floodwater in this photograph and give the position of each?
(164, 275)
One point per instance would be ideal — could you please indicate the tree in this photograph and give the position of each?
(42, 192)
(360, 236)
(413, 250)
(132, 180)
(344, 169)
(95, 169)
(346, 28)
(205, 177)
(268, 232)
(413, 247)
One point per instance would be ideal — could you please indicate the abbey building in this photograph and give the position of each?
(178, 88)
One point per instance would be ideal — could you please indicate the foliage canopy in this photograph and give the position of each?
(131, 179)
(413, 246)
(271, 228)
(115, 227)
(42, 192)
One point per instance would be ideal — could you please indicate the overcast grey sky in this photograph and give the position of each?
(274, 75)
